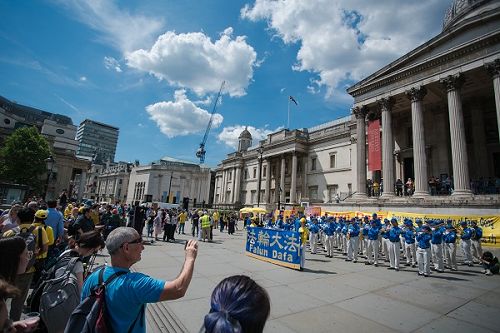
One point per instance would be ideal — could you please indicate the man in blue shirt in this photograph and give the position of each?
(450, 248)
(127, 294)
(466, 236)
(55, 220)
(352, 241)
(424, 251)
(313, 235)
(393, 236)
(329, 231)
(410, 248)
(373, 244)
(477, 250)
(437, 246)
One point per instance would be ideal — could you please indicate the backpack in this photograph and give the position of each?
(59, 298)
(48, 274)
(30, 240)
(91, 316)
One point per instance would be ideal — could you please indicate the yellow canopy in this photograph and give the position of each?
(255, 210)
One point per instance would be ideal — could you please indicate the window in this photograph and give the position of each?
(313, 192)
(332, 192)
(230, 174)
(313, 164)
(59, 131)
(120, 181)
(349, 188)
(254, 172)
(253, 196)
(333, 161)
(246, 173)
(264, 171)
(286, 168)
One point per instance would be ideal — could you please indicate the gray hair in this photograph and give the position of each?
(118, 237)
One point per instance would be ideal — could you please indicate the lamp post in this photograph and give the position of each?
(49, 162)
(260, 150)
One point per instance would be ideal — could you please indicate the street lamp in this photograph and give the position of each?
(260, 150)
(170, 186)
(49, 162)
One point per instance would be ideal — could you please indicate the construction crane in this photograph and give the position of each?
(200, 153)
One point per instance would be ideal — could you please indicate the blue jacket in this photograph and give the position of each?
(280, 224)
(424, 240)
(409, 235)
(385, 233)
(477, 236)
(437, 236)
(366, 227)
(353, 230)
(313, 228)
(373, 233)
(344, 229)
(450, 237)
(467, 234)
(394, 234)
(329, 229)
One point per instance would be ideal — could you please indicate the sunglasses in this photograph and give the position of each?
(137, 241)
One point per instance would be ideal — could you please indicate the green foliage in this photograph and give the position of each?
(22, 158)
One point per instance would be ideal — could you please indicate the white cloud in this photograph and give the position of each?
(348, 39)
(230, 134)
(83, 78)
(112, 63)
(181, 116)
(119, 27)
(193, 61)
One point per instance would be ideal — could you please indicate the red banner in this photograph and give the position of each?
(374, 146)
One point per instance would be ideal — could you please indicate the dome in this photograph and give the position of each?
(245, 134)
(461, 9)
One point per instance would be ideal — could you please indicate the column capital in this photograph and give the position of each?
(453, 82)
(493, 68)
(416, 94)
(359, 112)
(386, 104)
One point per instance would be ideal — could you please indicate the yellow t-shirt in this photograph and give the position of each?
(216, 216)
(94, 216)
(182, 218)
(47, 238)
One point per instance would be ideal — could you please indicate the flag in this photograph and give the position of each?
(293, 99)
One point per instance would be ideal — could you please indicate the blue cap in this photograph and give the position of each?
(426, 227)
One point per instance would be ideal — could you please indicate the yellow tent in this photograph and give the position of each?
(254, 210)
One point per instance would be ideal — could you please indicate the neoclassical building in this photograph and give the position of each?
(170, 180)
(289, 167)
(110, 184)
(439, 107)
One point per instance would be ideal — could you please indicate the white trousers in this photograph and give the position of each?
(302, 255)
(313, 242)
(329, 245)
(372, 251)
(466, 249)
(385, 247)
(352, 248)
(437, 256)
(411, 253)
(450, 250)
(424, 260)
(394, 254)
(477, 250)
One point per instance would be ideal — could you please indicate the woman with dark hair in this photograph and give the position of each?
(238, 305)
(14, 257)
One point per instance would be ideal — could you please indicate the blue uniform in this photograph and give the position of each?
(373, 232)
(409, 235)
(394, 234)
(424, 240)
(467, 234)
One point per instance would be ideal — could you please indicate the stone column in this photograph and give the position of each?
(268, 182)
(494, 70)
(237, 185)
(416, 96)
(293, 184)
(259, 180)
(459, 157)
(223, 187)
(233, 192)
(81, 188)
(305, 193)
(360, 114)
(387, 147)
(282, 179)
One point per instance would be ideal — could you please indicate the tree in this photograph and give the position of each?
(22, 158)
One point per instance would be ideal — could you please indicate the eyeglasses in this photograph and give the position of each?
(137, 241)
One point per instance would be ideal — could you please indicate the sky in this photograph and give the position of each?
(153, 68)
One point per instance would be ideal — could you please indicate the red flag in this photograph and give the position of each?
(293, 99)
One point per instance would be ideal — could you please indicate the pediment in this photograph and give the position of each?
(434, 51)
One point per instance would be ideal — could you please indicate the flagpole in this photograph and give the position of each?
(288, 123)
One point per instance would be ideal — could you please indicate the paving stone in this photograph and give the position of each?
(451, 325)
(285, 302)
(395, 314)
(479, 314)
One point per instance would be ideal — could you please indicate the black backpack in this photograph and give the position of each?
(30, 239)
(91, 316)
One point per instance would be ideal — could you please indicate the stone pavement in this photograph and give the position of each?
(330, 295)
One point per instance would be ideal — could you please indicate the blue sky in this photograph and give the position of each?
(152, 68)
